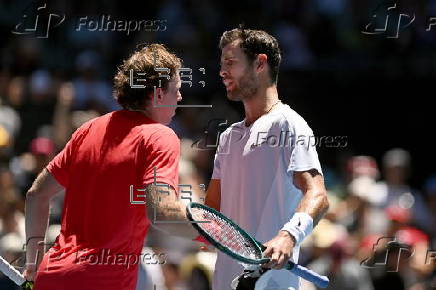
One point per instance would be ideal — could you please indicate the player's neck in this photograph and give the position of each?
(260, 104)
(148, 113)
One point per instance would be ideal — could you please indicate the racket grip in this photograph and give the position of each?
(309, 275)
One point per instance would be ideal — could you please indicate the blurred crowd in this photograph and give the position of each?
(380, 231)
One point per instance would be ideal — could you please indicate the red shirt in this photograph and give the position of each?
(103, 168)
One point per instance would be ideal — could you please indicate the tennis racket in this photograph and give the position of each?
(229, 238)
(14, 275)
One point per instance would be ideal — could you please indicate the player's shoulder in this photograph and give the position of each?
(237, 126)
(286, 116)
(156, 131)
(86, 126)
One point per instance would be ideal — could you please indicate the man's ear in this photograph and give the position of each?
(261, 62)
(157, 95)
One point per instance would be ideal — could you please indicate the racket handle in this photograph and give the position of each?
(309, 275)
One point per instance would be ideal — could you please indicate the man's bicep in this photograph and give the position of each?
(213, 194)
(308, 180)
(45, 185)
(315, 201)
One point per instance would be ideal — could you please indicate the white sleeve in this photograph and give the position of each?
(301, 153)
(216, 167)
(220, 151)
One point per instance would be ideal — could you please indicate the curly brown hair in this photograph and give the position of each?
(145, 61)
(254, 42)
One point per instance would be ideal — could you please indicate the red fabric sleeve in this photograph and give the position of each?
(162, 152)
(59, 167)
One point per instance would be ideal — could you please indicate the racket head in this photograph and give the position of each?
(207, 221)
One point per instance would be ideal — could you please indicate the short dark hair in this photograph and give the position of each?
(144, 60)
(254, 42)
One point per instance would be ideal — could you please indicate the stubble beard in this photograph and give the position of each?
(245, 89)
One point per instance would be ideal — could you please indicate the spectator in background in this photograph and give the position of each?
(12, 236)
(11, 205)
(397, 257)
(424, 213)
(91, 92)
(360, 211)
(10, 124)
(29, 164)
(37, 108)
(343, 270)
(394, 189)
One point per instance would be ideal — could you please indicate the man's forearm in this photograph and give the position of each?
(37, 213)
(315, 204)
(168, 213)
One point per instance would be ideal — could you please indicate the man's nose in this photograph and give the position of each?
(223, 73)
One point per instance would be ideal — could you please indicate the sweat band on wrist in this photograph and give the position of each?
(299, 226)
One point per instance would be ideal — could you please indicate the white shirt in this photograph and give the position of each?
(255, 167)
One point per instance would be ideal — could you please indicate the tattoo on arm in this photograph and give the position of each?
(163, 200)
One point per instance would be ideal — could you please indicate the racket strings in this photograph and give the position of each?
(226, 234)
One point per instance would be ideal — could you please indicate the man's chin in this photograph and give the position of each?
(233, 96)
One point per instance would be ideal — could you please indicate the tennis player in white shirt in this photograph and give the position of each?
(266, 177)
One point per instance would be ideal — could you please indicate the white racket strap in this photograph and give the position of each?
(11, 272)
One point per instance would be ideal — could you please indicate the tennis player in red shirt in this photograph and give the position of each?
(110, 168)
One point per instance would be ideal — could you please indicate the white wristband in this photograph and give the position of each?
(299, 226)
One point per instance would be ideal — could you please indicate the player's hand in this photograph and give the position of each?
(279, 249)
(30, 272)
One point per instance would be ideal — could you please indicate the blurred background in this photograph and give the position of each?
(360, 71)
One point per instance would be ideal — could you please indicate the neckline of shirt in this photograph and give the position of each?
(278, 105)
